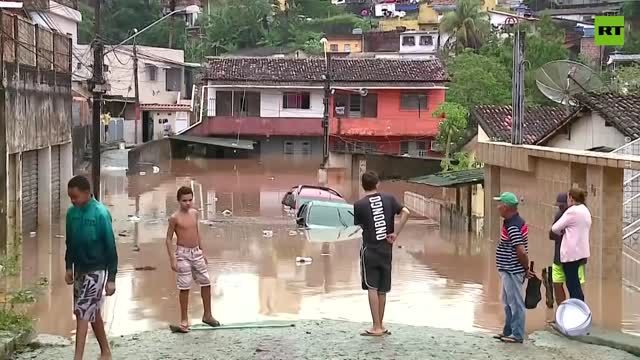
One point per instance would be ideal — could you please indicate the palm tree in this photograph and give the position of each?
(468, 26)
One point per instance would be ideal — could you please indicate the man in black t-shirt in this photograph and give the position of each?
(375, 213)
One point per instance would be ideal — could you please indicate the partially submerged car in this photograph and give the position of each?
(302, 194)
(328, 221)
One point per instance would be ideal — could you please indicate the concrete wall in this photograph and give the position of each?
(38, 108)
(588, 132)
(274, 147)
(397, 167)
(536, 174)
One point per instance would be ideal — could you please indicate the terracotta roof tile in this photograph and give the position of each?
(539, 121)
(622, 111)
(313, 70)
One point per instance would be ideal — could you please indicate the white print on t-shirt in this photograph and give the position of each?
(379, 223)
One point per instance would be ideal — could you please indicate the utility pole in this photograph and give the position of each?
(325, 121)
(517, 92)
(97, 84)
(172, 23)
(136, 92)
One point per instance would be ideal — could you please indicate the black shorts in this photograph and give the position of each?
(375, 268)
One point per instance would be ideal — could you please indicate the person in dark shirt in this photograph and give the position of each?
(375, 213)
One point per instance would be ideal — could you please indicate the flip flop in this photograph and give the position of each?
(179, 329)
(498, 336)
(387, 332)
(369, 333)
(510, 340)
(214, 323)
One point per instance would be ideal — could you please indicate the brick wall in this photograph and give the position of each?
(589, 50)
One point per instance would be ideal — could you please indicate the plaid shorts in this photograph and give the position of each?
(191, 266)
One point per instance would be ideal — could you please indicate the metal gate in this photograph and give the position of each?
(29, 191)
(55, 181)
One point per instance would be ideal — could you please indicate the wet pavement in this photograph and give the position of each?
(440, 279)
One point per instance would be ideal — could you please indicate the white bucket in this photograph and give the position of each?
(573, 318)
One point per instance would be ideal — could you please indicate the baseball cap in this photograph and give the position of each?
(507, 198)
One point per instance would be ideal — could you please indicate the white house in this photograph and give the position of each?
(165, 84)
(58, 17)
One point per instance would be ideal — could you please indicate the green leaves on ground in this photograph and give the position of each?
(14, 322)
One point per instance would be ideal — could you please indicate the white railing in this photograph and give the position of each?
(422, 205)
(631, 196)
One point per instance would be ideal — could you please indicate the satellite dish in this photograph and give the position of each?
(561, 80)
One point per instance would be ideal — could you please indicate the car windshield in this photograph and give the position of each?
(330, 216)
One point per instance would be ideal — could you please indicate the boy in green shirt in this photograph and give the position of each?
(91, 260)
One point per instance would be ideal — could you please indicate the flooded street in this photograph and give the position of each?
(440, 279)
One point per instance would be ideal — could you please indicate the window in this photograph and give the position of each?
(288, 148)
(333, 47)
(356, 106)
(434, 146)
(237, 103)
(306, 148)
(173, 79)
(105, 68)
(608, 124)
(347, 47)
(408, 41)
(152, 72)
(413, 102)
(296, 100)
(426, 40)
(421, 145)
(404, 147)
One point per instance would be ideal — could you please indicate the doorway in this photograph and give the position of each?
(147, 127)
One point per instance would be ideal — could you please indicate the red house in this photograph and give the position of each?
(376, 105)
(387, 107)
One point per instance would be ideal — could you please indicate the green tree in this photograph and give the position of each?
(626, 79)
(452, 130)
(467, 25)
(120, 17)
(478, 80)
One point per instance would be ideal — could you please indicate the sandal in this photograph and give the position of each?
(510, 340)
(498, 336)
(214, 323)
(369, 333)
(179, 329)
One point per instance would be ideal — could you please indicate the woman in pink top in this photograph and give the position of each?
(574, 251)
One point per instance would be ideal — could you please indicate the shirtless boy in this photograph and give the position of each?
(188, 260)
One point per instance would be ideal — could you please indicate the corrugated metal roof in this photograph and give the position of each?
(451, 178)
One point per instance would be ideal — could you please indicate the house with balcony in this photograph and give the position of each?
(385, 106)
(378, 105)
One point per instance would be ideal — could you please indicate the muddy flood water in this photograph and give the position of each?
(440, 279)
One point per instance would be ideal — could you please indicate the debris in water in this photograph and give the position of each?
(293, 233)
(143, 173)
(267, 233)
(303, 260)
(272, 177)
(136, 248)
(123, 233)
(400, 246)
(60, 236)
(133, 218)
(156, 169)
(144, 268)
(227, 213)
(32, 234)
